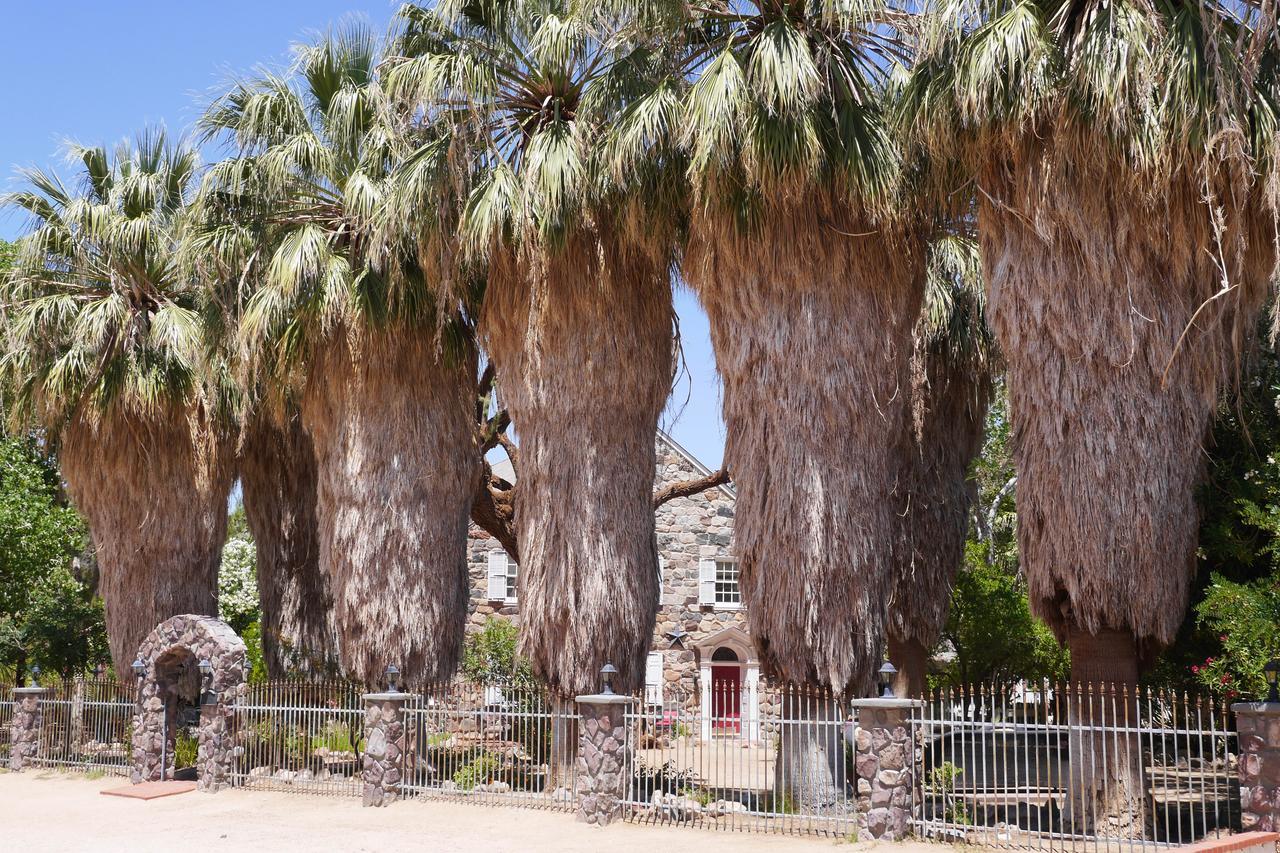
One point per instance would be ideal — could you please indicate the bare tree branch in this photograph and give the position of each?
(687, 488)
(493, 510)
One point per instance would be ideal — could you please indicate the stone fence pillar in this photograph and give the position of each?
(24, 728)
(1258, 726)
(215, 751)
(884, 760)
(604, 757)
(383, 747)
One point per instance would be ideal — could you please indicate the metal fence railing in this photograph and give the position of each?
(502, 743)
(6, 718)
(300, 736)
(86, 725)
(744, 756)
(1074, 767)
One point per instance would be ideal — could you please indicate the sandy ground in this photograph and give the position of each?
(43, 811)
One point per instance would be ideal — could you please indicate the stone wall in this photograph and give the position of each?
(1258, 727)
(884, 757)
(383, 759)
(603, 758)
(24, 727)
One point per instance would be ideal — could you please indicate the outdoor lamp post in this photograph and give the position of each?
(608, 671)
(139, 668)
(393, 677)
(206, 682)
(35, 676)
(886, 673)
(1272, 673)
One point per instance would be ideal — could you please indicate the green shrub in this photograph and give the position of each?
(185, 750)
(336, 737)
(943, 781)
(478, 771)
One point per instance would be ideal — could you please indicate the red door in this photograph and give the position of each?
(726, 690)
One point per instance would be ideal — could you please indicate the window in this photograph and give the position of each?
(718, 583)
(662, 570)
(653, 678)
(503, 572)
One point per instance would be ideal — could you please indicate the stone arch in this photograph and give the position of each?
(170, 657)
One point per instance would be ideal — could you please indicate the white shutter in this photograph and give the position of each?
(497, 575)
(653, 678)
(706, 581)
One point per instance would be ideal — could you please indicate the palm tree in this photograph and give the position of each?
(950, 390)
(812, 289)
(809, 265)
(577, 312)
(106, 351)
(348, 306)
(1120, 153)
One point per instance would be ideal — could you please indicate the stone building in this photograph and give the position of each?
(702, 654)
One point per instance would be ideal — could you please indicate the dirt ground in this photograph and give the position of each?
(43, 811)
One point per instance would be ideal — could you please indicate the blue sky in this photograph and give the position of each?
(96, 72)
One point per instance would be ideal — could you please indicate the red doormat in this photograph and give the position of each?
(151, 790)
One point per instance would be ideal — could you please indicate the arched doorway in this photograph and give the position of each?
(729, 678)
(177, 670)
(726, 692)
(174, 692)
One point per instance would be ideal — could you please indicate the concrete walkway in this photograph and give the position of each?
(44, 811)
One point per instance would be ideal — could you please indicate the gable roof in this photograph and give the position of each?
(703, 470)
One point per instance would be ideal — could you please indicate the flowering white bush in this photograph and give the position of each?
(238, 583)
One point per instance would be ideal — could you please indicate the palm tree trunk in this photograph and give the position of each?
(1113, 379)
(911, 658)
(583, 350)
(810, 773)
(948, 411)
(1104, 296)
(812, 336)
(154, 492)
(1105, 788)
(397, 465)
(278, 475)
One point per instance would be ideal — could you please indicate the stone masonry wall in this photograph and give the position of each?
(383, 759)
(24, 727)
(884, 755)
(603, 758)
(1258, 726)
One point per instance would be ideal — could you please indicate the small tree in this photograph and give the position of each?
(490, 655)
(47, 616)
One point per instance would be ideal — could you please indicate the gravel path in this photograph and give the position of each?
(43, 811)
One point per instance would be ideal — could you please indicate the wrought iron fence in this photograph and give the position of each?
(86, 725)
(301, 737)
(502, 743)
(6, 718)
(1074, 767)
(756, 757)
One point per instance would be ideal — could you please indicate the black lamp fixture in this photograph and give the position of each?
(35, 676)
(1271, 672)
(886, 673)
(607, 672)
(393, 677)
(139, 668)
(206, 682)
